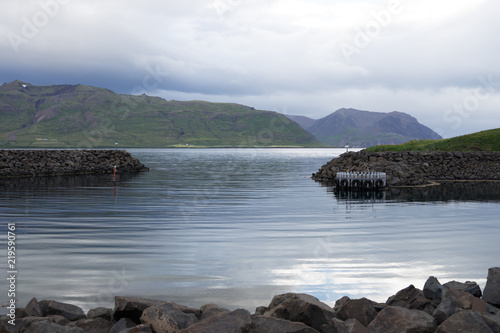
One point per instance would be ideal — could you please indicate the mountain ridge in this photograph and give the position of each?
(80, 116)
(360, 128)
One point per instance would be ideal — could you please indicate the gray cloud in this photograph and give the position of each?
(307, 57)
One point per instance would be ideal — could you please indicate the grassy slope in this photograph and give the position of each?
(482, 141)
(82, 116)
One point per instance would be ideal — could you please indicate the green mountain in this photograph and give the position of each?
(481, 141)
(365, 128)
(84, 117)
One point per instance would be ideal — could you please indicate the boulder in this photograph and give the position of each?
(132, 307)
(100, 312)
(167, 318)
(339, 303)
(447, 308)
(360, 309)
(260, 310)
(493, 321)
(433, 290)
(468, 287)
(210, 310)
(395, 319)
(469, 302)
(68, 311)
(350, 326)
(411, 298)
(491, 292)
(186, 309)
(39, 324)
(138, 329)
(97, 325)
(300, 307)
(263, 324)
(60, 320)
(33, 308)
(464, 322)
(122, 325)
(235, 321)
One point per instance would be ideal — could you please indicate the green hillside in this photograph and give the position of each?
(482, 141)
(83, 117)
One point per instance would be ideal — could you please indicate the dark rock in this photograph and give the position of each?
(31, 163)
(260, 310)
(415, 168)
(411, 298)
(58, 319)
(5, 327)
(433, 289)
(360, 309)
(469, 302)
(21, 313)
(39, 324)
(132, 307)
(235, 321)
(447, 308)
(300, 307)
(493, 321)
(263, 324)
(210, 310)
(491, 292)
(339, 303)
(395, 319)
(122, 325)
(100, 312)
(97, 325)
(468, 287)
(33, 308)
(350, 326)
(68, 311)
(138, 329)
(464, 322)
(188, 310)
(167, 318)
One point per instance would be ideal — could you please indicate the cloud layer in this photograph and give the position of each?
(434, 60)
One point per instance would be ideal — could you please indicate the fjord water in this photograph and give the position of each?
(236, 227)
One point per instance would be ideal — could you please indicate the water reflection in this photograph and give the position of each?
(46, 184)
(487, 191)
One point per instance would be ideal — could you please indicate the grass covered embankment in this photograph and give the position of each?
(481, 141)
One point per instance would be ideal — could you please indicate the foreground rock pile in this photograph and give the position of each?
(31, 163)
(417, 168)
(453, 307)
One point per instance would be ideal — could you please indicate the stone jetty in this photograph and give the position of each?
(452, 307)
(34, 163)
(416, 168)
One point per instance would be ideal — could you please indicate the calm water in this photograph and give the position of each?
(236, 227)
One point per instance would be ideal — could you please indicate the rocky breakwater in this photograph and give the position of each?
(453, 307)
(32, 163)
(416, 168)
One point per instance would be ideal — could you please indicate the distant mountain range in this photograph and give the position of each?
(365, 129)
(86, 117)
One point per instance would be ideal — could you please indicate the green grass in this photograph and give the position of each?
(82, 116)
(481, 141)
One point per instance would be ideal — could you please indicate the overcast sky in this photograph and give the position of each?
(437, 60)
